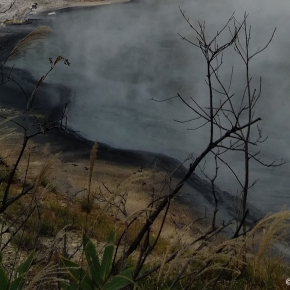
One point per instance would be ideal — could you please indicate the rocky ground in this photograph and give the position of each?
(14, 11)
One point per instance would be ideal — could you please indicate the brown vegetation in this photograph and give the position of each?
(48, 204)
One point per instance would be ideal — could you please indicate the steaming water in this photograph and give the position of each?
(123, 55)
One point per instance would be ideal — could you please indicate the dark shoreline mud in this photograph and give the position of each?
(197, 193)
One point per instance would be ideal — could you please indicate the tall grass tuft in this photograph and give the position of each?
(270, 231)
(38, 33)
(45, 170)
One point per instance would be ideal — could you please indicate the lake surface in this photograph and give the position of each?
(124, 55)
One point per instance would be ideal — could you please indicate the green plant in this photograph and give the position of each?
(99, 275)
(19, 277)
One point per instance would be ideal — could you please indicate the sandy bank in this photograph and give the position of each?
(20, 9)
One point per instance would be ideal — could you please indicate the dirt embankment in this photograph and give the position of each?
(16, 11)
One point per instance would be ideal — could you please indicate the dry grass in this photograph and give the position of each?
(259, 271)
(27, 42)
(248, 263)
(227, 264)
(260, 245)
(14, 21)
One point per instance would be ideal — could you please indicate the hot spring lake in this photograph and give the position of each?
(124, 55)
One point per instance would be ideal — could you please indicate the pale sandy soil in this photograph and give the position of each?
(21, 8)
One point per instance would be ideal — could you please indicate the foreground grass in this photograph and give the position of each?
(54, 212)
(247, 264)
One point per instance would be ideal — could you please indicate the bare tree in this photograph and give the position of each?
(37, 125)
(250, 97)
(229, 121)
(228, 109)
(29, 124)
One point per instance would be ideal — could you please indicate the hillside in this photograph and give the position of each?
(82, 215)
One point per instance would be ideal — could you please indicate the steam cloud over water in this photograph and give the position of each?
(124, 55)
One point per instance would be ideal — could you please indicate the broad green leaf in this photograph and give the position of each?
(4, 282)
(24, 267)
(119, 281)
(79, 274)
(108, 256)
(74, 269)
(17, 283)
(93, 261)
(85, 241)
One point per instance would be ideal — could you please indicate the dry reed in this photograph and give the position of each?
(26, 43)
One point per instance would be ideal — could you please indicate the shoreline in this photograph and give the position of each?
(74, 146)
(20, 10)
(15, 24)
(77, 5)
